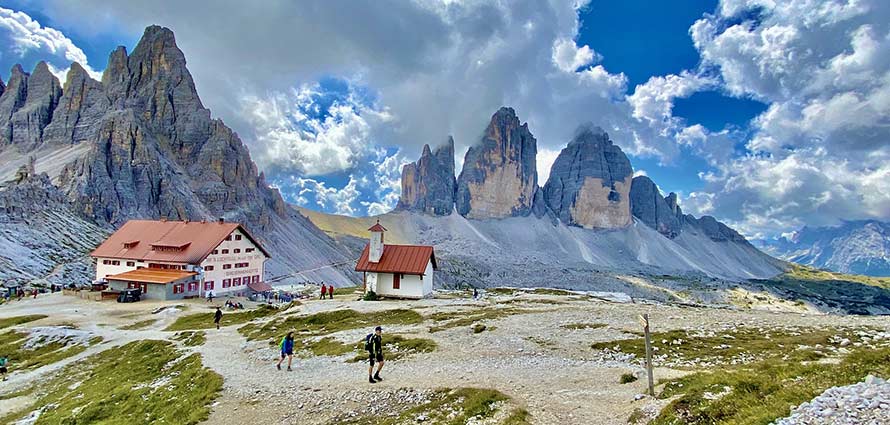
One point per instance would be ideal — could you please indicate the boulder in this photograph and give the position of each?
(590, 181)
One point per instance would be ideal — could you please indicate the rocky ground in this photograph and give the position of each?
(539, 356)
(867, 402)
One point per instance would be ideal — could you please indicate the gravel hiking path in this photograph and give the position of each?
(546, 368)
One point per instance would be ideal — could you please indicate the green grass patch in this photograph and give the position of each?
(13, 345)
(627, 378)
(140, 382)
(518, 416)
(577, 326)
(454, 319)
(446, 407)
(501, 291)
(328, 322)
(191, 338)
(396, 347)
(19, 393)
(479, 328)
(205, 320)
(700, 348)
(761, 392)
(18, 320)
(851, 294)
(348, 290)
(798, 271)
(142, 324)
(551, 291)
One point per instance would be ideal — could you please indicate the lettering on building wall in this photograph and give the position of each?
(242, 272)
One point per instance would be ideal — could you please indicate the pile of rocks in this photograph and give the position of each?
(867, 402)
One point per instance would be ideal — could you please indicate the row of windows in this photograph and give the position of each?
(228, 283)
(234, 251)
(117, 263)
(237, 237)
(180, 287)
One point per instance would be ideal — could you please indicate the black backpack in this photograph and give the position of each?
(369, 346)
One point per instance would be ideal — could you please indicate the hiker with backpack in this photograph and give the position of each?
(4, 360)
(217, 317)
(374, 346)
(287, 349)
(324, 290)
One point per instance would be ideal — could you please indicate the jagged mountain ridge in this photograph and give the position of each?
(854, 247)
(592, 213)
(591, 184)
(140, 144)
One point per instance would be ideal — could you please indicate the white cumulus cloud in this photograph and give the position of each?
(22, 37)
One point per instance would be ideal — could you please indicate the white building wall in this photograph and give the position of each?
(103, 270)
(410, 286)
(255, 265)
(428, 279)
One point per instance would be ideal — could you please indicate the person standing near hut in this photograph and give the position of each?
(374, 345)
(217, 317)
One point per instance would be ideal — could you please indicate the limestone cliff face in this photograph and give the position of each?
(499, 177)
(428, 184)
(152, 150)
(589, 184)
(660, 213)
(666, 216)
(27, 107)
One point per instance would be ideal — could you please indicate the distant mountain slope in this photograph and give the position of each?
(527, 251)
(591, 216)
(140, 144)
(855, 247)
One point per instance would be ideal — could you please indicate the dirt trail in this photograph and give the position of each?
(545, 367)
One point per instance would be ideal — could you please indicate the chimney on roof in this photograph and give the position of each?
(221, 220)
(163, 219)
(203, 220)
(186, 221)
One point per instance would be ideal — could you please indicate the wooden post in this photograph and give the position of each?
(644, 320)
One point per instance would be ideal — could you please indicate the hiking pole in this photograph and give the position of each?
(644, 320)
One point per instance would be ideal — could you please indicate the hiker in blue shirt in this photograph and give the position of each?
(3, 361)
(287, 350)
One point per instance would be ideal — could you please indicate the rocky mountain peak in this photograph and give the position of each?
(140, 144)
(499, 178)
(27, 104)
(75, 73)
(116, 72)
(655, 211)
(590, 181)
(674, 205)
(428, 184)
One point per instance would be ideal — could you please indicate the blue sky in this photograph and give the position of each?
(767, 115)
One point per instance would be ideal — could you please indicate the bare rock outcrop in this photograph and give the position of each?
(152, 150)
(428, 185)
(660, 213)
(499, 177)
(590, 182)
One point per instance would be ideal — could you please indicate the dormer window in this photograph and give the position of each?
(130, 244)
